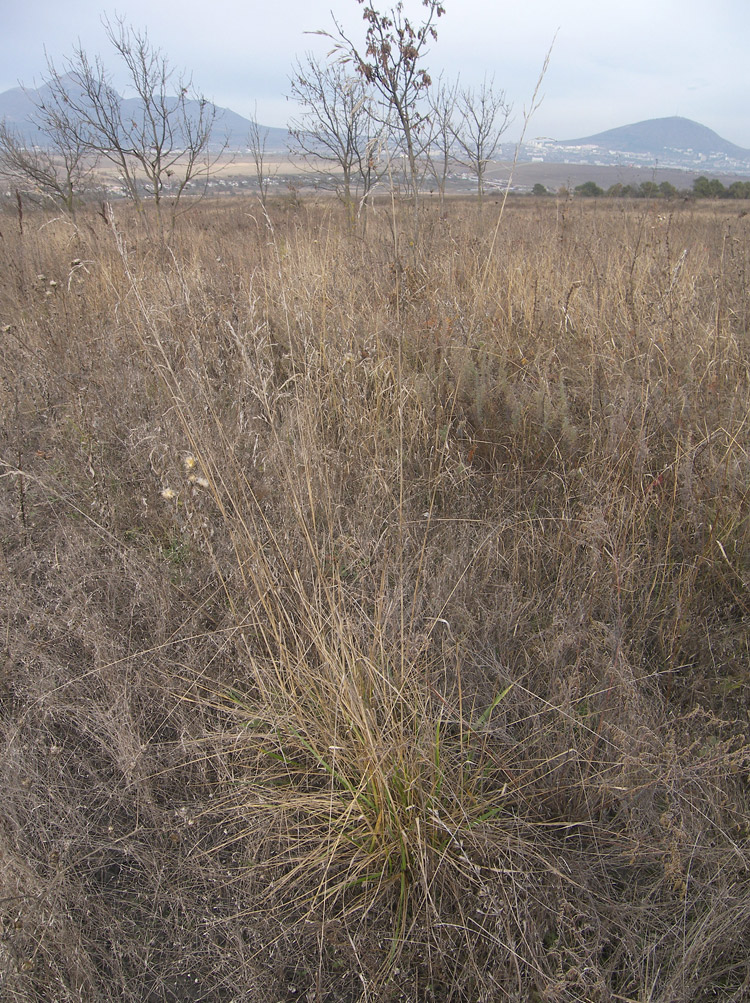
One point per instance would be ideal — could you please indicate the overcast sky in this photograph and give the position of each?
(613, 63)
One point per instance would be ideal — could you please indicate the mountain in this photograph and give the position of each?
(663, 136)
(17, 107)
(14, 105)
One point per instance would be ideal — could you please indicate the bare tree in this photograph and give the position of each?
(257, 141)
(442, 138)
(160, 140)
(390, 61)
(58, 168)
(484, 117)
(336, 129)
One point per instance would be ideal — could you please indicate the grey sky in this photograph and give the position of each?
(612, 63)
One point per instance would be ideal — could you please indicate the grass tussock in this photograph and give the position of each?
(375, 615)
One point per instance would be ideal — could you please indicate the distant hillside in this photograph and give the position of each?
(17, 107)
(662, 135)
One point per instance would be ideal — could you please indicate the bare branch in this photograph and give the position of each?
(159, 140)
(337, 129)
(61, 170)
(257, 140)
(440, 148)
(390, 61)
(484, 117)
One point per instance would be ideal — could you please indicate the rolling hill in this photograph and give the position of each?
(17, 107)
(661, 136)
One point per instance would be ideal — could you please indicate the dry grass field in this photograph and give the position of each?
(374, 610)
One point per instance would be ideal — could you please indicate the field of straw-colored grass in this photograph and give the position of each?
(374, 607)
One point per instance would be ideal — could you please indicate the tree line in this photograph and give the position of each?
(369, 115)
(702, 188)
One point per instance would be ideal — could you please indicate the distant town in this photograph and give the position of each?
(687, 159)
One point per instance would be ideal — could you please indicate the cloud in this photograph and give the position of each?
(611, 63)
